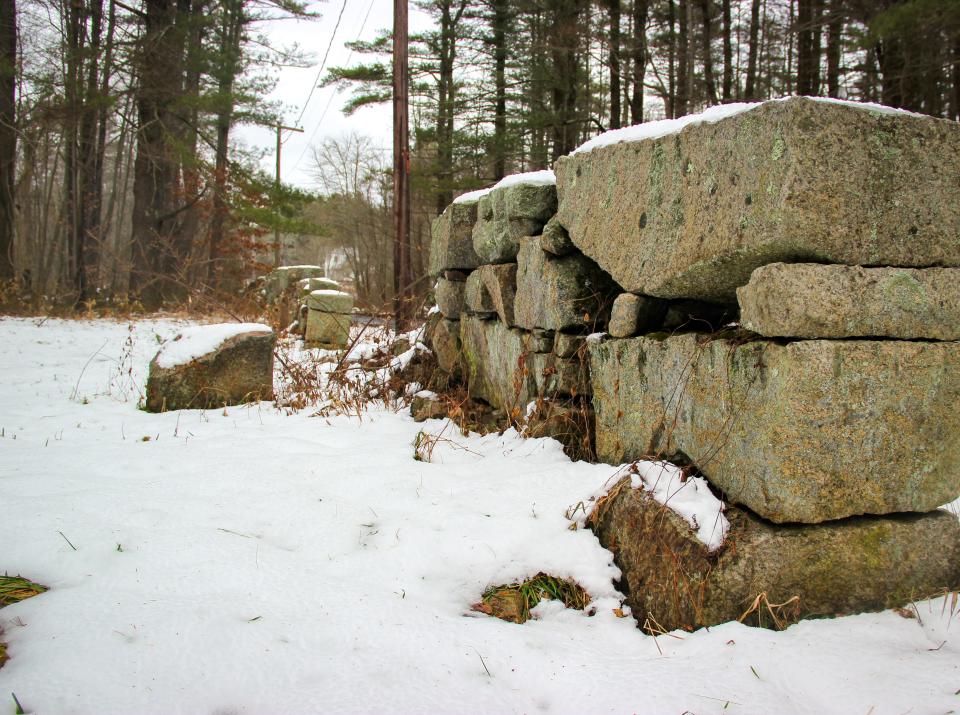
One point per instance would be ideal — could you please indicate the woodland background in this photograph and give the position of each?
(121, 185)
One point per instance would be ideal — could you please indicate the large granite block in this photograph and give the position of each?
(553, 293)
(451, 238)
(691, 214)
(503, 370)
(804, 432)
(811, 300)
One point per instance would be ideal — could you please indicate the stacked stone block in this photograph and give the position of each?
(507, 302)
(785, 324)
(827, 418)
(691, 214)
(305, 287)
(328, 318)
(281, 281)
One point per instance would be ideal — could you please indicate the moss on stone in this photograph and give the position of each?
(771, 575)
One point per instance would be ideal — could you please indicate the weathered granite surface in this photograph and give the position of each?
(837, 568)
(451, 239)
(554, 293)
(445, 342)
(811, 300)
(330, 301)
(804, 432)
(500, 283)
(328, 330)
(451, 298)
(692, 214)
(507, 214)
(240, 370)
(632, 314)
(502, 369)
(555, 239)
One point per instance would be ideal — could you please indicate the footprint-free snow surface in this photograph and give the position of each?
(254, 561)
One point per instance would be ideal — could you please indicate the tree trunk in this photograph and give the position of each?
(190, 163)
(446, 101)
(564, 33)
(614, 10)
(74, 114)
(955, 91)
(707, 37)
(96, 198)
(892, 73)
(8, 132)
(671, 99)
(402, 308)
(156, 263)
(834, 39)
(500, 20)
(219, 261)
(791, 42)
(683, 65)
(750, 89)
(88, 244)
(808, 46)
(816, 47)
(640, 12)
(444, 88)
(727, 54)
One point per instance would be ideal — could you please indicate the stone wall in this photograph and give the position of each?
(517, 299)
(771, 299)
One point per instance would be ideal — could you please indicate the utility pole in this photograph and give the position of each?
(401, 167)
(276, 233)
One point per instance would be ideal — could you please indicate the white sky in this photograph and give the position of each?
(293, 84)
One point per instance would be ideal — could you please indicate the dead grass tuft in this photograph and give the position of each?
(14, 589)
(779, 615)
(513, 602)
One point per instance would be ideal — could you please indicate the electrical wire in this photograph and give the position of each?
(316, 128)
(323, 63)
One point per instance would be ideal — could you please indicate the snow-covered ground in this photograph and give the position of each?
(251, 561)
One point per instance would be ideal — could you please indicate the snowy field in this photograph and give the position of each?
(250, 561)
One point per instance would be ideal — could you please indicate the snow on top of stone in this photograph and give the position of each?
(868, 106)
(329, 292)
(664, 127)
(472, 196)
(198, 340)
(712, 115)
(545, 177)
(689, 497)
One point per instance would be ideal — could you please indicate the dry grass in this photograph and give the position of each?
(348, 381)
(14, 589)
(514, 601)
(425, 443)
(780, 615)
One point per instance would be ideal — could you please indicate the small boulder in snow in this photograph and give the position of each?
(427, 405)
(211, 366)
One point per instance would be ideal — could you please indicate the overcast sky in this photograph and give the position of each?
(323, 116)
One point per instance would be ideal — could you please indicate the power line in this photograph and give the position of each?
(316, 128)
(323, 63)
